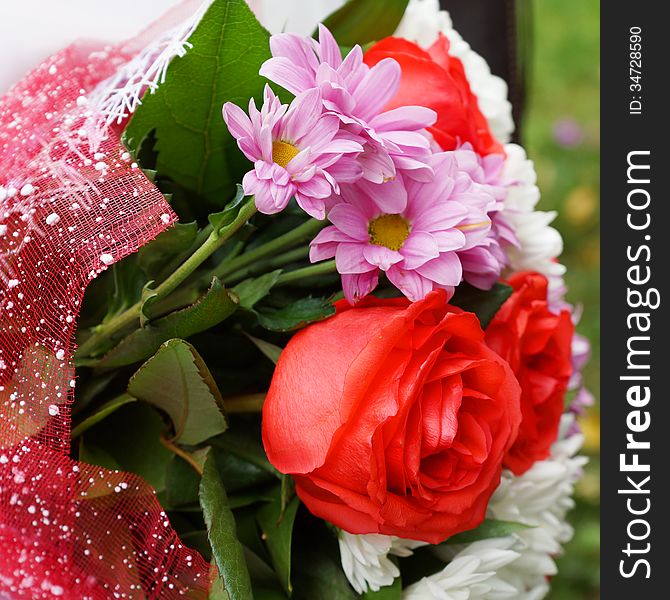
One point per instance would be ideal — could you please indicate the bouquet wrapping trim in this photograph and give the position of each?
(72, 205)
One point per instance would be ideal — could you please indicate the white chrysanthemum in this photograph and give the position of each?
(539, 243)
(471, 573)
(540, 498)
(365, 559)
(296, 16)
(422, 23)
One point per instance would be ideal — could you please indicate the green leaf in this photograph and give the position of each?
(296, 315)
(287, 492)
(225, 217)
(239, 474)
(181, 483)
(363, 21)
(250, 537)
(193, 144)
(490, 528)
(102, 413)
(218, 589)
(317, 572)
(129, 440)
(269, 350)
(245, 446)
(251, 291)
(150, 174)
(484, 304)
(173, 242)
(277, 527)
(389, 592)
(148, 297)
(128, 283)
(266, 594)
(221, 529)
(213, 308)
(244, 500)
(94, 455)
(177, 381)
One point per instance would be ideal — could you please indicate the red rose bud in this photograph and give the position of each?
(393, 418)
(537, 344)
(434, 79)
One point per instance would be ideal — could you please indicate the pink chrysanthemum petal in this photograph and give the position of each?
(357, 286)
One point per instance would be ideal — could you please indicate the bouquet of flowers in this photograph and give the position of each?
(321, 344)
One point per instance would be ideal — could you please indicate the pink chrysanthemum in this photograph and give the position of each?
(415, 243)
(357, 94)
(484, 263)
(295, 150)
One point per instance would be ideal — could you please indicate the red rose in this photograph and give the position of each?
(437, 80)
(537, 344)
(393, 418)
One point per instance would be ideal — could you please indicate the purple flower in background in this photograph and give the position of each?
(357, 94)
(414, 239)
(568, 133)
(581, 353)
(295, 150)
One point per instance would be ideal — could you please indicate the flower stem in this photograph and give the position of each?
(251, 403)
(323, 268)
(172, 447)
(214, 241)
(264, 266)
(304, 232)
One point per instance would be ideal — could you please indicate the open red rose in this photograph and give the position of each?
(537, 344)
(393, 418)
(434, 79)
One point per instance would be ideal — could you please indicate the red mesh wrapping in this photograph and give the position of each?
(71, 203)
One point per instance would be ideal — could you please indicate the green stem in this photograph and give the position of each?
(304, 232)
(172, 447)
(251, 403)
(265, 266)
(323, 268)
(214, 241)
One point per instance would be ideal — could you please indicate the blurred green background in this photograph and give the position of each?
(561, 133)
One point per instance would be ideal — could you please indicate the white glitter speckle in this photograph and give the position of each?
(106, 259)
(52, 219)
(165, 218)
(82, 101)
(12, 283)
(27, 189)
(60, 355)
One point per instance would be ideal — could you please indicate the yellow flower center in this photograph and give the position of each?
(283, 153)
(389, 231)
